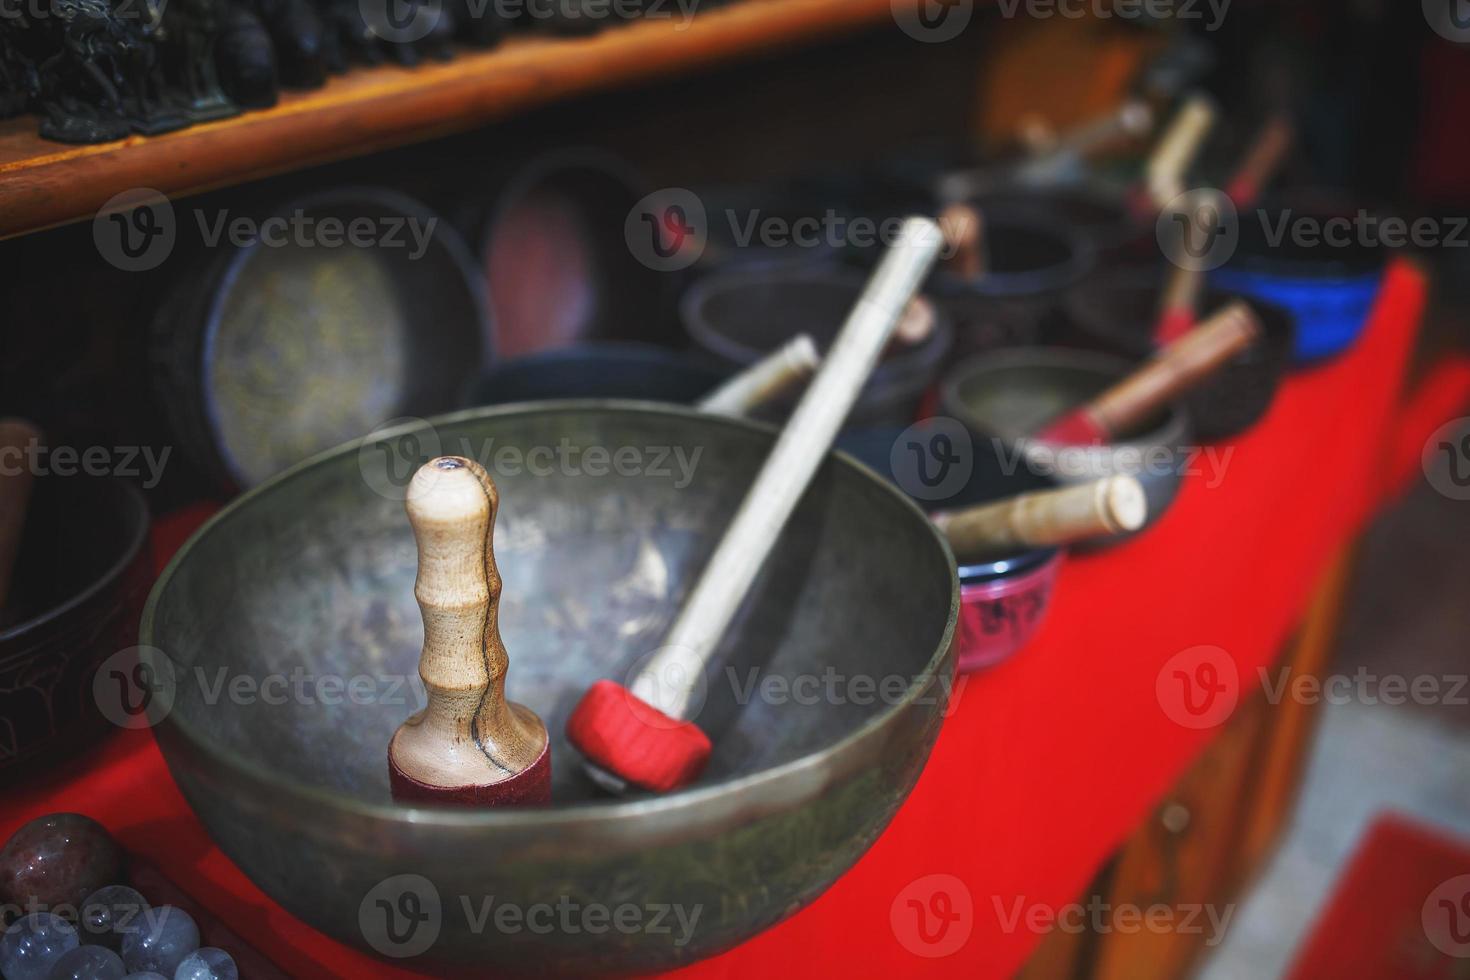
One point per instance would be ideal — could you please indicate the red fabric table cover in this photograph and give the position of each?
(1046, 763)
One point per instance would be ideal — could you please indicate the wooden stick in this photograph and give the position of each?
(618, 729)
(1047, 518)
(793, 462)
(1053, 151)
(964, 239)
(1177, 149)
(766, 380)
(1171, 372)
(469, 745)
(1179, 304)
(16, 480)
(1261, 162)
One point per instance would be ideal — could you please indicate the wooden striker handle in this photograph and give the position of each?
(1047, 518)
(467, 735)
(1175, 369)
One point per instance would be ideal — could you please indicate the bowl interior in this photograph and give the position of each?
(606, 517)
(1013, 394)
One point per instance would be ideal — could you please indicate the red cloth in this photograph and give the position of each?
(1046, 764)
(1402, 909)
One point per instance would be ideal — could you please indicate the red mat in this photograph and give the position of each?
(1045, 765)
(1401, 910)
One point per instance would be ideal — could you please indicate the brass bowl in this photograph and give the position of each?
(315, 569)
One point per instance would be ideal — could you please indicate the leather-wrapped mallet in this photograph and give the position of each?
(640, 736)
(1167, 375)
(1045, 518)
(469, 746)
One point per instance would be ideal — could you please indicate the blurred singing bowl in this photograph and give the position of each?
(1118, 310)
(1010, 394)
(314, 571)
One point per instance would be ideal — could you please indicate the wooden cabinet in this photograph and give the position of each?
(1204, 842)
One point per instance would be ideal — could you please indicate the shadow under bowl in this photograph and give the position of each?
(314, 572)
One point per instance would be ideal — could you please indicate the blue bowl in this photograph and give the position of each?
(1328, 290)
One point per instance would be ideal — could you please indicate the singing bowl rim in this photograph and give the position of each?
(559, 816)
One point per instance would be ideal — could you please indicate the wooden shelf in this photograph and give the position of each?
(44, 183)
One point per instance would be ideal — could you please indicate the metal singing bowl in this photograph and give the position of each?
(315, 570)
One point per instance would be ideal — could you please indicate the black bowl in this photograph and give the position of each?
(633, 371)
(1116, 312)
(740, 318)
(82, 575)
(1034, 258)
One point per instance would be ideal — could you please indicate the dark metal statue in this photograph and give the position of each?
(190, 27)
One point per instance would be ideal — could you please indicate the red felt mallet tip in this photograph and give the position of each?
(620, 732)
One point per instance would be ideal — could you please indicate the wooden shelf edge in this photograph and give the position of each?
(43, 184)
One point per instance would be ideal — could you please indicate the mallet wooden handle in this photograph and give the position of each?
(15, 493)
(1047, 518)
(468, 744)
(1177, 149)
(642, 735)
(964, 240)
(765, 380)
(1179, 304)
(1261, 162)
(799, 451)
(1132, 118)
(1171, 372)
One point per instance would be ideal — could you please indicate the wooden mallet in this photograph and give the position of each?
(766, 380)
(641, 736)
(1178, 306)
(1175, 153)
(469, 746)
(1168, 374)
(1046, 518)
